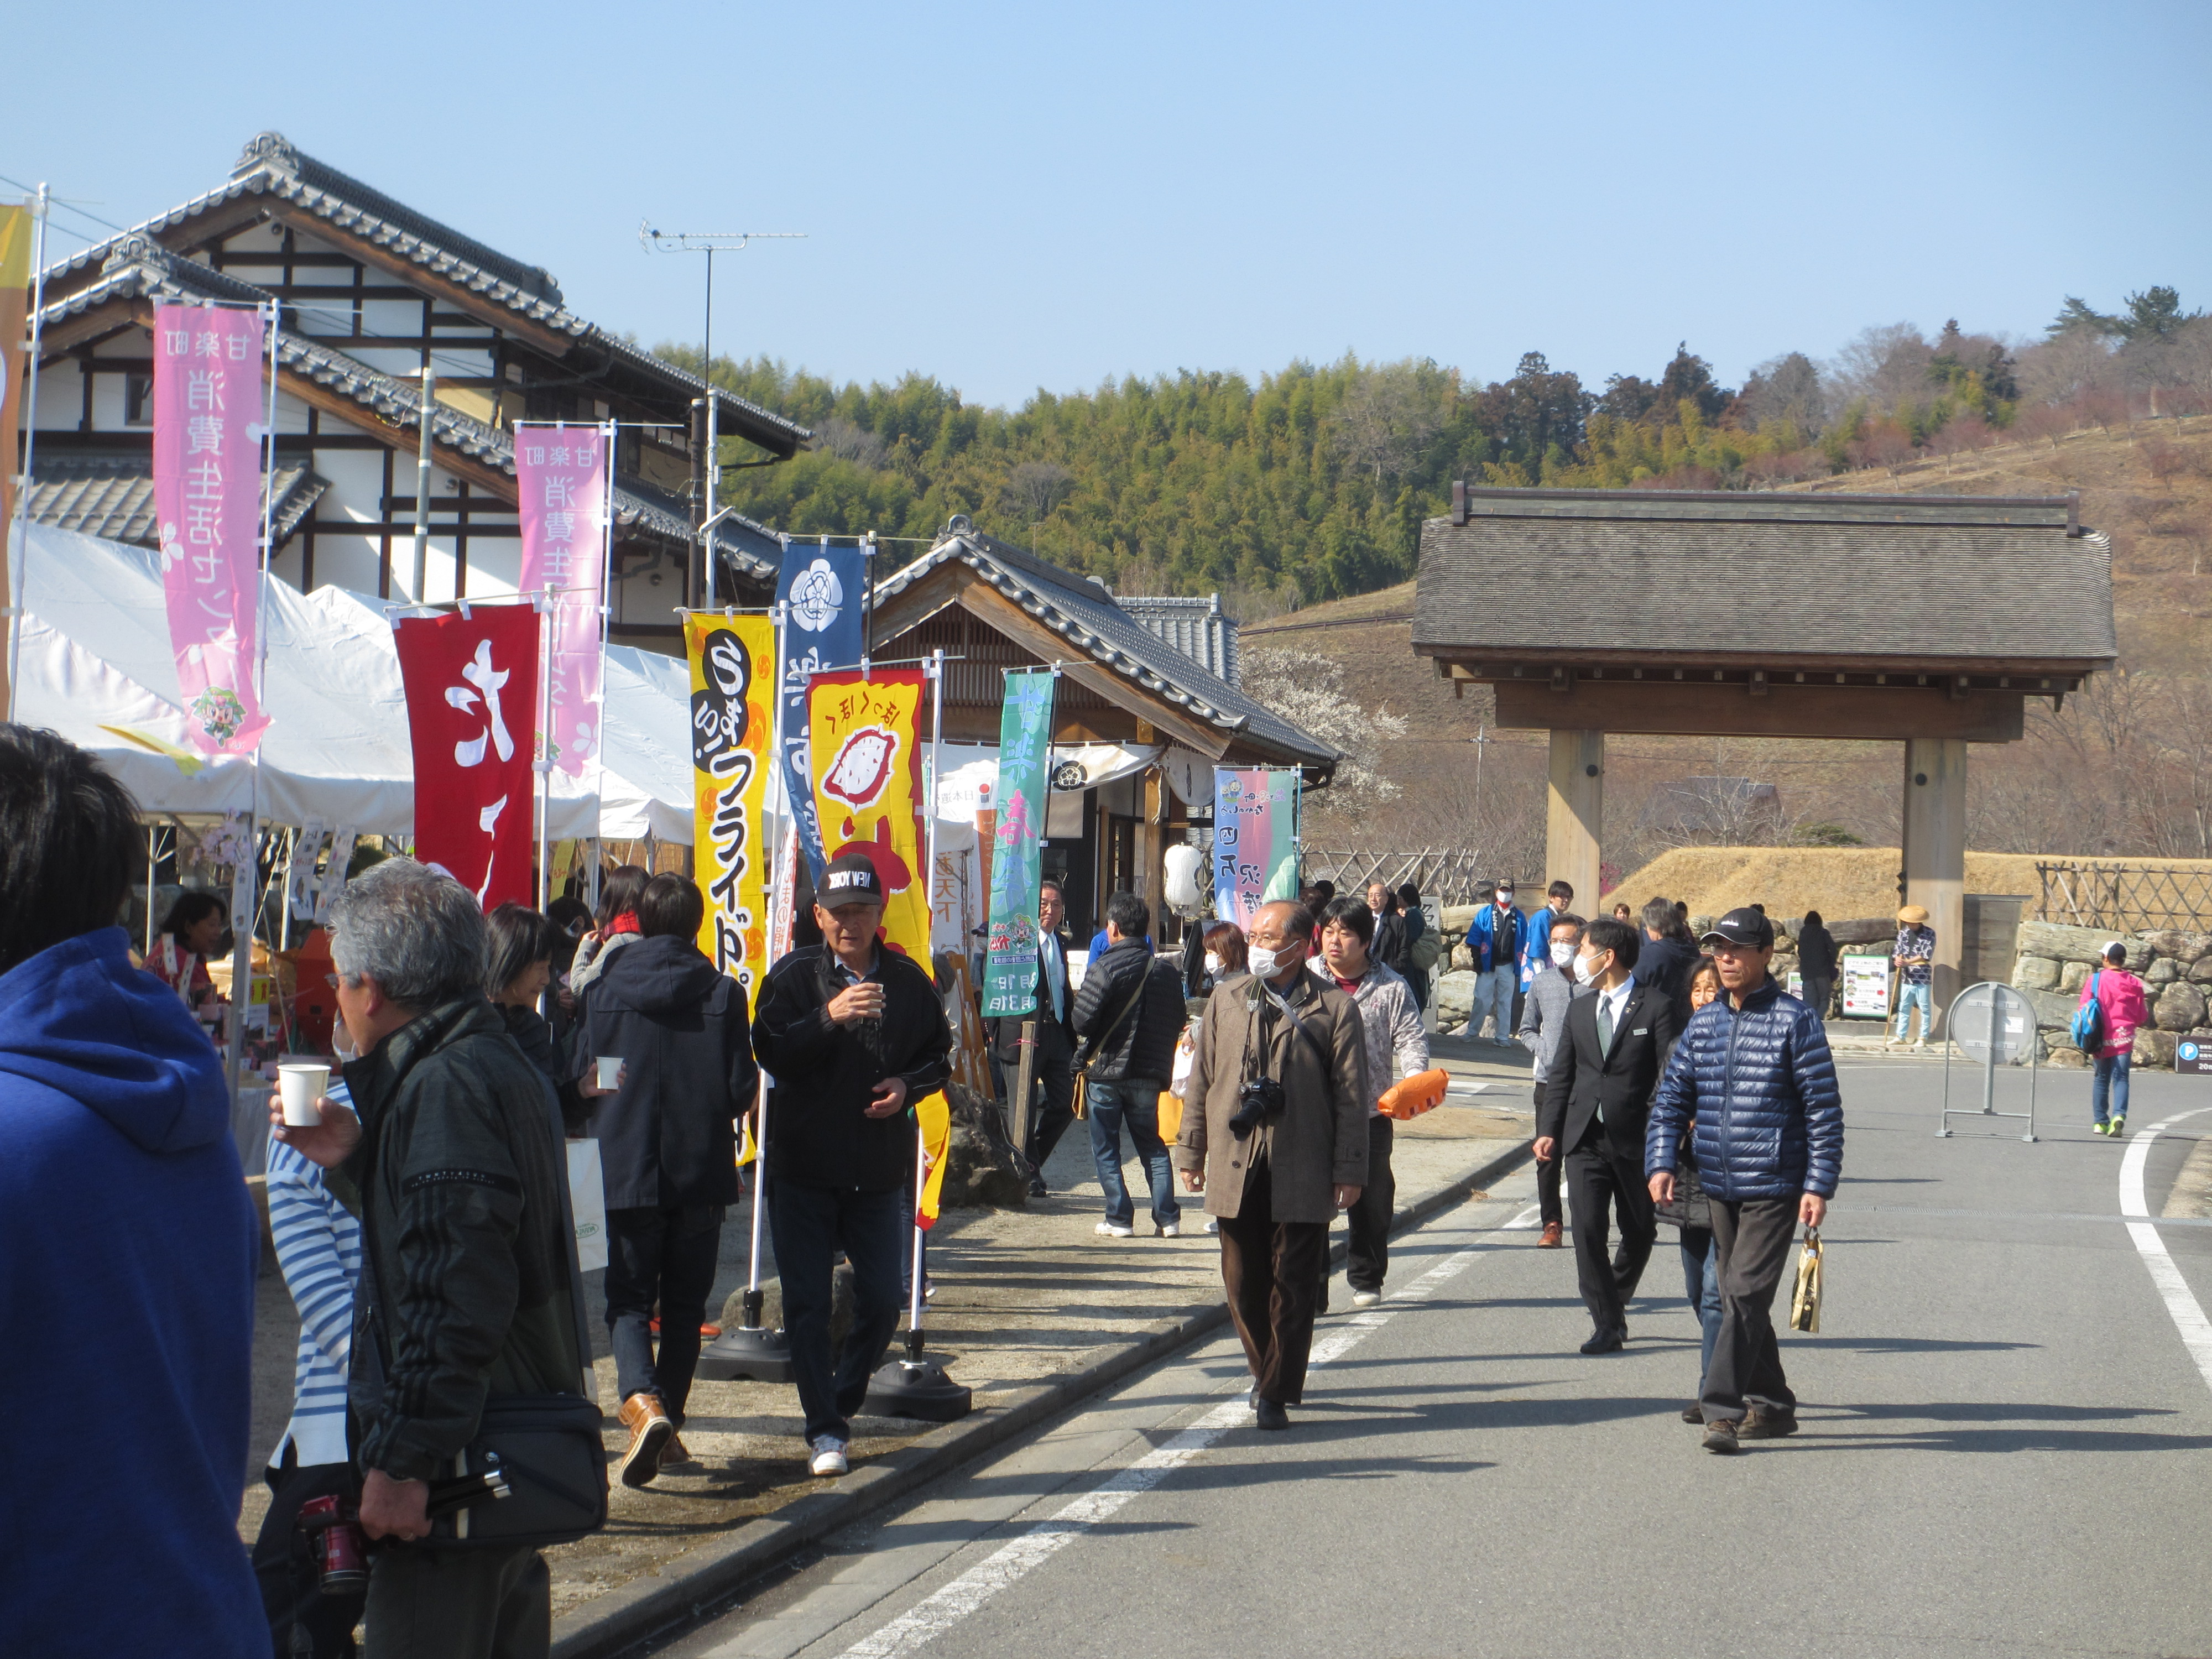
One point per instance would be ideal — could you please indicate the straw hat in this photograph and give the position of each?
(1913, 915)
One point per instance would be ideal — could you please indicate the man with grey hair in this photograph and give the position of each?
(456, 1171)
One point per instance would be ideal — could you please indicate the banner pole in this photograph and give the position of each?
(541, 763)
(914, 1293)
(19, 567)
(778, 901)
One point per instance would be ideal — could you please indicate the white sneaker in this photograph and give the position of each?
(1116, 1230)
(1365, 1299)
(829, 1456)
(1213, 1225)
(1173, 1230)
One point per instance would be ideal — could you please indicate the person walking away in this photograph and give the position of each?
(130, 1249)
(1052, 1109)
(1816, 964)
(1495, 939)
(468, 1257)
(1276, 1137)
(518, 947)
(1914, 959)
(1536, 941)
(1128, 1016)
(2120, 998)
(1396, 1047)
(1543, 1023)
(667, 1153)
(1597, 1094)
(1753, 1073)
(1692, 1215)
(1420, 957)
(195, 931)
(1665, 958)
(1391, 938)
(851, 1031)
(318, 1250)
(617, 927)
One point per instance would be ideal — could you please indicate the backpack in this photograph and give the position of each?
(2088, 1026)
(1425, 951)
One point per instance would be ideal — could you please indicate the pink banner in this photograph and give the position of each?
(209, 417)
(561, 482)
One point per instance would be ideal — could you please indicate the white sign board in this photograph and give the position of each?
(1866, 988)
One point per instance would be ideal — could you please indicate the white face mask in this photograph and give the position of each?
(1265, 963)
(1506, 901)
(1213, 962)
(1584, 972)
(1563, 953)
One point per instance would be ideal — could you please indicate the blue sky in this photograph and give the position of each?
(1016, 196)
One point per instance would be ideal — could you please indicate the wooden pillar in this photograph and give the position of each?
(1935, 849)
(1151, 848)
(1575, 821)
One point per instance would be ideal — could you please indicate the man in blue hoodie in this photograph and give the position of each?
(127, 1251)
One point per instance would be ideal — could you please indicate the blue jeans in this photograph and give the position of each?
(811, 1225)
(1907, 997)
(2112, 1079)
(1135, 1101)
(1701, 1283)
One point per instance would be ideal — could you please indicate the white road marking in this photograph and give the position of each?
(945, 1607)
(2181, 1302)
(1528, 1218)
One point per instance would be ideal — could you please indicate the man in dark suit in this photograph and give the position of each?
(1597, 1095)
(1050, 1117)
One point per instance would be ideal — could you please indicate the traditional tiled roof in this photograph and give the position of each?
(137, 268)
(1085, 615)
(1525, 574)
(1194, 626)
(111, 496)
(272, 166)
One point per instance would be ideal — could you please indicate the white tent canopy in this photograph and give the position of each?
(95, 656)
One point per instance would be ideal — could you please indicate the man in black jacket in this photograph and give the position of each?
(851, 1033)
(1665, 958)
(667, 1149)
(1129, 1013)
(1053, 1070)
(1597, 1094)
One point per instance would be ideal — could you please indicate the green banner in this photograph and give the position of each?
(1010, 966)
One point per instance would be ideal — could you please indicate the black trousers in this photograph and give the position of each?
(1272, 1272)
(666, 1256)
(1753, 1236)
(1599, 1175)
(811, 1225)
(1547, 1180)
(1369, 1220)
(304, 1623)
(1051, 1112)
(459, 1604)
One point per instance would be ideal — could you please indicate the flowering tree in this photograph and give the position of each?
(1307, 690)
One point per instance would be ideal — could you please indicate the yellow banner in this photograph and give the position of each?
(934, 1115)
(732, 715)
(866, 762)
(15, 224)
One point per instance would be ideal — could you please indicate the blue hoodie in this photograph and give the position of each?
(127, 1251)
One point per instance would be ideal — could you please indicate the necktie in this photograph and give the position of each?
(1605, 1026)
(1055, 974)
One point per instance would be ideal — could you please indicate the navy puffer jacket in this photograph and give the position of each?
(1762, 1085)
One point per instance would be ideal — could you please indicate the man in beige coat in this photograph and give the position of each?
(1276, 1165)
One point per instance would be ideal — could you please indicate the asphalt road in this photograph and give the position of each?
(2007, 1450)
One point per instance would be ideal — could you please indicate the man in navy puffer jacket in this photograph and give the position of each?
(128, 1248)
(1754, 1073)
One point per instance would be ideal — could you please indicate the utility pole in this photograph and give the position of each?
(699, 570)
(1481, 740)
(423, 487)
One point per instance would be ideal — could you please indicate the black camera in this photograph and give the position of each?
(1258, 1102)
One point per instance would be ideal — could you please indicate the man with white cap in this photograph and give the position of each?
(1914, 957)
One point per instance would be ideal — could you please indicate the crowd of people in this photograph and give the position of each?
(422, 1220)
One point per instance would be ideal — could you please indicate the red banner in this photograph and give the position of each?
(471, 694)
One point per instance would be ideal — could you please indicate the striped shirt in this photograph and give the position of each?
(319, 1248)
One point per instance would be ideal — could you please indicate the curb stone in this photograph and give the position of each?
(653, 1602)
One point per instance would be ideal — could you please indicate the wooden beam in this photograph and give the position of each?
(1484, 662)
(1686, 709)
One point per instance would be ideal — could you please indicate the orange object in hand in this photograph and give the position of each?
(1421, 1092)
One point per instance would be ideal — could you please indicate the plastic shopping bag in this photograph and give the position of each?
(587, 1197)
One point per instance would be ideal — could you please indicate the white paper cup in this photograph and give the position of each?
(301, 1084)
(610, 1072)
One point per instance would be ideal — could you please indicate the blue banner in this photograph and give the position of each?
(823, 590)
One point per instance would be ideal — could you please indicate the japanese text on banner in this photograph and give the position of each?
(823, 590)
(867, 787)
(732, 723)
(560, 497)
(1255, 842)
(468, 682)
(1009, 970)
(209, 422)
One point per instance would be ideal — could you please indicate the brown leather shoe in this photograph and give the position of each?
(1768, 1425)
(1551, 1239)
(650, 1428)
(674, 1452)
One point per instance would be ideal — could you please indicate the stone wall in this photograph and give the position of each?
(2056, 961)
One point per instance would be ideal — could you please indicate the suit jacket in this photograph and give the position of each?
(1054, 1037)
(1621, 1081)
(1320, 1141)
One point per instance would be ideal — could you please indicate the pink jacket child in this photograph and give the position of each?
(2121, 995)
